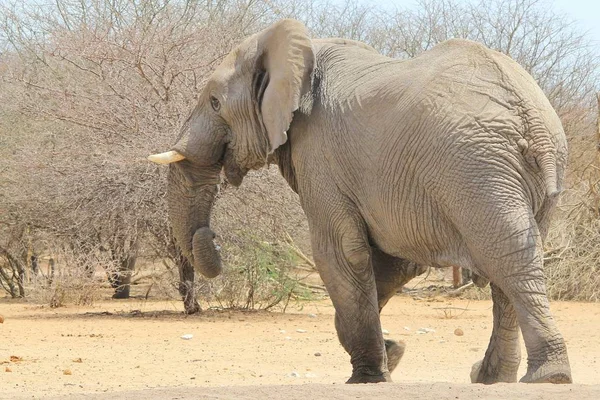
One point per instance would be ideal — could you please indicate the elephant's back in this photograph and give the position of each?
(468, 128)
(474, 107)
(462, 79)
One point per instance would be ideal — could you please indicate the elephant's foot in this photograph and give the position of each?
(395, 351)
(191, 307)
(557, 373)
(366, 376)
(488, 375)
(121, 292)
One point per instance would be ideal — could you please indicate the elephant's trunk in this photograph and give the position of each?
(190, 195)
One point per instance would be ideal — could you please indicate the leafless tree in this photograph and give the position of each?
(90, 88)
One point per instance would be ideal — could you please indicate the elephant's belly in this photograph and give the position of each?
(426, 238)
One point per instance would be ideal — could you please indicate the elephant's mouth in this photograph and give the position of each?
(192, 190)
(233, 171)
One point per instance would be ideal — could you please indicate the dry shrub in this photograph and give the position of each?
(77, 289)
(573, 245)
(572, 260)
(252, 223)
(260, 275)
(71, 276)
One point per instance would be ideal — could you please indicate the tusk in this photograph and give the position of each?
(166, 157)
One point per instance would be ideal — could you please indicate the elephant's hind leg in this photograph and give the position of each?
(503, 356)
(547, 359)
(514, 257)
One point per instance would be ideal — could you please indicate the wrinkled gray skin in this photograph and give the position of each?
(452, 158)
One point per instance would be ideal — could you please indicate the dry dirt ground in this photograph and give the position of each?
(133, 349)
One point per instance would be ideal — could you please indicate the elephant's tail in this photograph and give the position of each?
(547, 163)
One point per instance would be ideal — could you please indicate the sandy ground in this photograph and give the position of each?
(121, 349)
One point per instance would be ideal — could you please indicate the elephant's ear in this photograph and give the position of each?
(286, 59)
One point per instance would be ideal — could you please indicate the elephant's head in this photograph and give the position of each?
(241, 117)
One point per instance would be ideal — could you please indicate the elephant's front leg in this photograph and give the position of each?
(343, 257)
(503, 356)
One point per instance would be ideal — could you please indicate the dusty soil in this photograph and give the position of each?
(121, 349)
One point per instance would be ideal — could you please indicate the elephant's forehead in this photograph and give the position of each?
(240, 59)
(221, 76)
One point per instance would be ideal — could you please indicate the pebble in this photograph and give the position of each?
(406, 328)
(312, 315)
(301, 330)
(458, 332)
(282, 331)
(310, 375)
(385, 331)
(187, 336)
(317, 354)
(422, 331)
(294, 374)
(288, 338)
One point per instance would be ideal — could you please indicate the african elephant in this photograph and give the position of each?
(454, 157)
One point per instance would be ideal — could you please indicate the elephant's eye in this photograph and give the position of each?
(214, 102)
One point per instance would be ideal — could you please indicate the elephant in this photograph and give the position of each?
(454, 157)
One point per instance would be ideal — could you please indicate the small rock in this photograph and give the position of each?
(288, 338)
(282, 331)
(1, 319)
(406, 328)
(78, 360)
(310, 375)
(7, 369)
(458, 332)
(422, 331)
(312, 315)
(67, 372)
(385, 331)
(187, 336)
(301, 330)
(317, 354)
(294, 374)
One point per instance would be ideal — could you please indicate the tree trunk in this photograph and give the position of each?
(121, 279)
